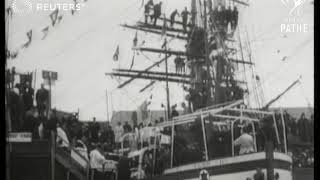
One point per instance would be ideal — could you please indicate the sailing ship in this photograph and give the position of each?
(201, 143)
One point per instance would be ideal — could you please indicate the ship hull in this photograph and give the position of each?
(231, 168)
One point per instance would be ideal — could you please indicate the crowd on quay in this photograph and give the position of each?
(303, 129)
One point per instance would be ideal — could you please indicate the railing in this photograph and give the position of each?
(87, 166)
(70, 149)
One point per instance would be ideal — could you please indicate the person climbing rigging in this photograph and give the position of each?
(172, 17)
(157, 12)
(184, 15)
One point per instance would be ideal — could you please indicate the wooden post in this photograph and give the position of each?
(269, 158)
(284, 132)
(107, 105)
(49, 95)
(167, 83)
(172, 142)
(204, 138)
(8, 156)
(53, 155)
(68, 175)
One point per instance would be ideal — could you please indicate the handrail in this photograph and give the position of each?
(123, 138)
(71, 148)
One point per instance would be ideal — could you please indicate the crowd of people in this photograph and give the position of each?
(20, 99)
(223, 17)
(303, 157)
(303, 129)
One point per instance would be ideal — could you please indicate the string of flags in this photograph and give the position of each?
(55, 18)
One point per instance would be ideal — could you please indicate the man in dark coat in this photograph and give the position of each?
(174, 112)
(184, 15)
(173, 16)
(94, 131)
(157, 12)
(126, 127)
(42, 98)
(28, 94)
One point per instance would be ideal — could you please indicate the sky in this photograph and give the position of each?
(80, 49)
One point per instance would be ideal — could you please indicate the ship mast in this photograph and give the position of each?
(207, 74)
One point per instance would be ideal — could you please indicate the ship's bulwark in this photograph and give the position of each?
(240, 167)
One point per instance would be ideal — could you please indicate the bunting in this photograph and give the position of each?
(54, 16)
(116, 54)
(143, 109)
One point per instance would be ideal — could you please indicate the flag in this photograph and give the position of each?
(135, 40)
(75, 5)
(143, 109)
(9, 12)
(29, 34)
(8, 54)
(53, 16)
(13, 55)
(60, 18)
(142, 3)
(45, 32)
(132, 62)
(164, 27)
(116, 54)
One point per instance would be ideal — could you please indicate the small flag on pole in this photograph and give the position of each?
(132, 62)
(164, 27)
(135, 40)
(116, 54)
(29, 34)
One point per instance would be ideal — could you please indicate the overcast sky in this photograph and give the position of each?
(81, 47)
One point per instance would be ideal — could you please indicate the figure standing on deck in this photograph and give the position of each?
(245, 141)
(157, 12)
(172, 17)
(184, 15)
(42, 98)
(27, 94)
(228, 17)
